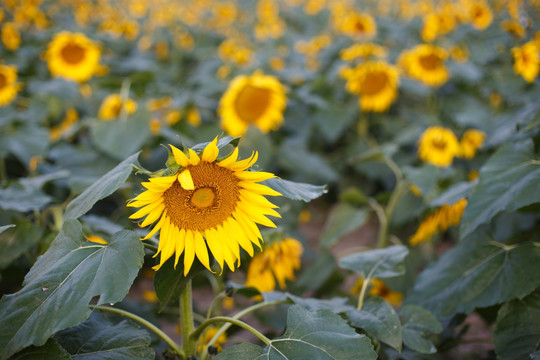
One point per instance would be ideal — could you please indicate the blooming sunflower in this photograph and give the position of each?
(376, 82)
(358, 25)
(111, 107)
(72, 56)
(526, 61)
(11, 38)
(8, 84)
(208, 204)
(471, 141)
(363, 51)
(480, 14)
(278, 262)
(438, 146)
(425, 62)
(257, 99)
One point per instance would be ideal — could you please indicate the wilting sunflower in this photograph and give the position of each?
(471, 141)
(526, 61)
(425, 62)
(111, 107)
(72, 56)
(257, 100)
(8, 84)
(438, 146)
(376, 82)
(208, 204)
(440, 220)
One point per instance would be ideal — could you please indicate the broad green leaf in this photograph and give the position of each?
(343, 220)
(508, 181)
(418, 325)
(16, 197)
(424, 178)
(379, 319)
(120, 139)
(476, 273)
(379, 263)
(15, 242)
(169, 282)
(319, 271)
(342, 116)
(50, 351)
(63, 282)
(222, 142)
(295, 190)
(311, 335)
(517, 332)
(306, 165)
(102, 188)
(28, 141)
(454, 194)
(245, 351)
(98, 339)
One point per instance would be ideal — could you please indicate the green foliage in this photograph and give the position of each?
(418, 325)
(18, 240)
(379, 263)
(296, 190)
(63, 281)
(51, 350)
(343, 219)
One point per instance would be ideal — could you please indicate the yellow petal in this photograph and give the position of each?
(145, 210)
(201, 250)
(211, 151)
(215, 246)
(180, 243)
(163, 235)
(246, 163)
(156, 228)
(254, 198)
(254, 175)
(193, 157)
(185, 180)
(179, 156)
(258, 218)
(229, 160)
(258, 188)
(189, 252)
(170, 242)
(154, 215)
(234, 228)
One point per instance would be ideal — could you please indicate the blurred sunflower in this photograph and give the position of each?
(11, 37)
(425, 62)
(209, 333)
(440, 220)
(358, 25)
(9, 87)
(438, 146)
(278, 262)
(471, 141)
(363, 51)
(526, 61)
(480, 14)
(380, 289)
(206, 205)
(73, 56)
(111, 107)
(257, 100)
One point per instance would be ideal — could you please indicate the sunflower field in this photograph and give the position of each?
(269, 179)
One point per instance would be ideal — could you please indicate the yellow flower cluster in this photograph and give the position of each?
(234, 51)
(439, 221)
(278, 262)
(113, 105)
(269, 25)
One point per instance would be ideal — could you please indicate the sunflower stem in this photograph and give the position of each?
(174, 346)
(195, 334)
(186, 319)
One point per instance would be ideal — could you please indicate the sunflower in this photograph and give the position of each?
(8, 84)
(257, 99)
(376, 82)
(526, 61)
(358, 25)
(471, 141)
(425, 62)
(278, 262)
(480, 14)
(440, 220)
(111, 107)
(11, 37)
(208, 204)
(380, 289)
(363, 51)
(438, 146)
(72, 56)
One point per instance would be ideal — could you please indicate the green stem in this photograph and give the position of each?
(3, 174)
(150, 247)
(195, 334)
(399, 191)
(124, 96)
(366, 284)
(186, 318)
(147, 324)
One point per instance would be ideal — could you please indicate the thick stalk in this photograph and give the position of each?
(186, 320)
(174, 346)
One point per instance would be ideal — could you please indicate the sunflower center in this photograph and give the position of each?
(359, 26)
(3, 80)
(430, 62)
(73, 53)
(439, 143)
(203, 197)
(374, 82)
(213, 200)
(252, 102)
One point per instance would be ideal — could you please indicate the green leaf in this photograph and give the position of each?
(295, 190)
(222, 142)
(319, 271)
(342, 116)
(169, 282)
(508, 181)
(17, 198)
(476, 273)
(454, 194)
(245, 351)
(379, 263)
(379, 319)
(15, 242)
(50, 351)
(418, 325)
(98, 339)
(102, 188)
(28, 141)
(311, 335)
(5, 227)
(63, 282)
(343, 220)
(517, 332)
(120, 139)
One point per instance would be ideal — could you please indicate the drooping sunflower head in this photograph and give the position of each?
(8, 84)
(425, 62)
(438, 146)
(376, 82)
(257, 100)
(206, 205)
(73, 56)
(111, 107)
